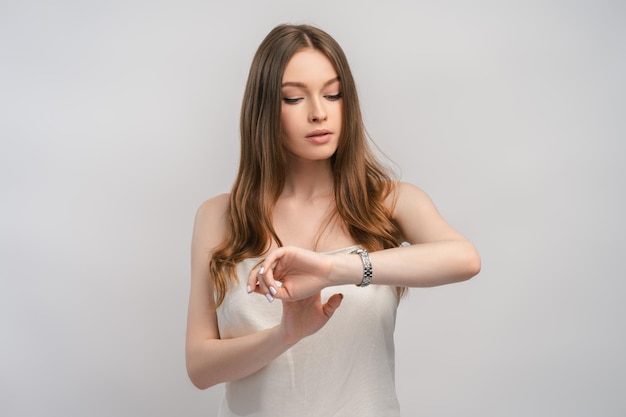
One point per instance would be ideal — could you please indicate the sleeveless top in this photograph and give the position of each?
(346, 369)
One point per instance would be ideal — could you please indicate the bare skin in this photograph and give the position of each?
(438, 254)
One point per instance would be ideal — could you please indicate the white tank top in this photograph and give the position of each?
(344, 370)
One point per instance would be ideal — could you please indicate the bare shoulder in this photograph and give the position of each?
(216, 205)
(406, 196)
(418, 217)
(210, 225)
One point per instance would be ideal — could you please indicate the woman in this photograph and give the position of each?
(311, 214)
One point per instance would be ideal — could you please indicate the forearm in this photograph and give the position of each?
(421, 265)
(213, 361)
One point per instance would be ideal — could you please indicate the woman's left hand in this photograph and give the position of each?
(290, 273)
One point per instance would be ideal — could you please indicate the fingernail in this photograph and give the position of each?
(273, 290)
(269, 297)
(248, 289)
(261, 270)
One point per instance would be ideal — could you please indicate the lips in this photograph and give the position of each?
(319, 137)
(319, 132)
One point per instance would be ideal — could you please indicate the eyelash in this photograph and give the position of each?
(330, 97)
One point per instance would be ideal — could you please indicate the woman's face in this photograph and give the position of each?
(312, 106)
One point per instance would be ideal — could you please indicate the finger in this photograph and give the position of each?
(252, 280)
(261, 279)
(256, 283)
(267, 284)
(261, 286)
(332, 304)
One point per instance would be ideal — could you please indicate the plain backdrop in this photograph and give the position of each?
(118, 118)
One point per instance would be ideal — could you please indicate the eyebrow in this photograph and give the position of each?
(303, 85)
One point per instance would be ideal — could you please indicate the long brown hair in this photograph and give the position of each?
(361, 184)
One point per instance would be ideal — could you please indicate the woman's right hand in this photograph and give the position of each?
(304, 317)
(212, 359)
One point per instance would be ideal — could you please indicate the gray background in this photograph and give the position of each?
(117, 119)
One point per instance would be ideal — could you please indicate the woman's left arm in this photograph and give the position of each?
(437, 255)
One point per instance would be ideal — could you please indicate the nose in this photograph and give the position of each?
(317, 112)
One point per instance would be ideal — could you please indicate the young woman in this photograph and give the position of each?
(280, 307)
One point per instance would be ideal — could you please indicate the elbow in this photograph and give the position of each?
(471, 263)
(199, 381)
(198, 377)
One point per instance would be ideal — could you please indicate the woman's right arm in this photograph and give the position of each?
(212, 360)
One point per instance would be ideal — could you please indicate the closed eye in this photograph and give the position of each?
(292, 100)
(333, 97)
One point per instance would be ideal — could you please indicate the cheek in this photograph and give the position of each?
(286, 122)
(284, 126)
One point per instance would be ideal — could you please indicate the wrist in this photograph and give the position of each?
(367, 267)
(347, 269)
(284, 337)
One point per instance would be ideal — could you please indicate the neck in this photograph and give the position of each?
(308, 180)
